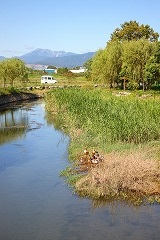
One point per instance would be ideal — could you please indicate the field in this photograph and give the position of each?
(34, 82)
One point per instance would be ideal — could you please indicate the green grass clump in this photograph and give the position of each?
(70, 175)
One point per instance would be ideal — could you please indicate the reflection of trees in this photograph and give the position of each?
(7, 135)
(13, 124)
(54, 120)
(12, 118)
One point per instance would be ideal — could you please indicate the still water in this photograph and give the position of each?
(36, 204)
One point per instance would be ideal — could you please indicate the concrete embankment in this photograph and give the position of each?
(9, 98)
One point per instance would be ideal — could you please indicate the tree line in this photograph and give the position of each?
(131, 58)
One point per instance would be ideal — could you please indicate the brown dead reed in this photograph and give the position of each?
(122, 176)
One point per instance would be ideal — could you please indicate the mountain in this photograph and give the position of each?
(68, 61)
(39, 55)
(2, 58)
(56, 58)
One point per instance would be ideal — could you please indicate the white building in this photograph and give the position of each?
(80, 70)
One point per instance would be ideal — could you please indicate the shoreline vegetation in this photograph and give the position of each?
(124, 127)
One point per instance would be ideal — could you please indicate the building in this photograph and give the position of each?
(50, 70)
(80, 70)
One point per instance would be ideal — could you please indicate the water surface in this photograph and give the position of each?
(36, 204)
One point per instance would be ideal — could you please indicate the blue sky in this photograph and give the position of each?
(69, 25)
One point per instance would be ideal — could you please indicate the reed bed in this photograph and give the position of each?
(109, 118)
(97, 118)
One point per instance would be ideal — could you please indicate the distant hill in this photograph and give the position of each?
(68, 61)
(39, 55)
(2, 58)
(56, 58)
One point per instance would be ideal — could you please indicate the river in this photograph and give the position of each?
(35, 202)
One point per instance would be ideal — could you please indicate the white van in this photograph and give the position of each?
(48, 79)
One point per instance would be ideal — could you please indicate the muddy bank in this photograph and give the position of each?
(9, 98)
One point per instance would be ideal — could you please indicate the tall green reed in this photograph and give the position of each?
(108, 118)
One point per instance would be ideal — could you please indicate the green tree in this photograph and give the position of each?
(157, 53)
(51, 67)
(124, 76)
(106, 64)
(62, 70)
(126, 57)
(13, 69)
(88, 66)
(98, 67)
(133, 31)
(135, 56)
(3, 72)
(114, 61)
(152, 69)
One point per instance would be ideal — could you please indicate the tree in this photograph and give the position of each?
(157, 53)
(51, 67)
(62, 70)
(152, 69)
(124, 76)
(126, 56)
(88, 66)
(3, 72)
(98, 67)
(13, 69)
(114, 61)
(107, 63)
(135, 56)
(133, 31)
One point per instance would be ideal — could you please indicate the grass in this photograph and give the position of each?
(123, 127)
(110, 118)
(34, 81)
(9, 90)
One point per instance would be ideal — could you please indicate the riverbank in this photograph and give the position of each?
(14, 97)
(133, 176)
(124, 129)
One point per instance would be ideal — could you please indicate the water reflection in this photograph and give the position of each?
(54, 120)
(14, 121)
(13, 124)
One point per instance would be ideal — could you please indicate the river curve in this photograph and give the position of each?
(36, 204)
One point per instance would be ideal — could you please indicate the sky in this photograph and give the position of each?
(77, 26)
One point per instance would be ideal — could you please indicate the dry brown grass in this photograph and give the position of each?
(121, 176)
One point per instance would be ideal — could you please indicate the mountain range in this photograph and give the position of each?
(2, 58)
(55, 58)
